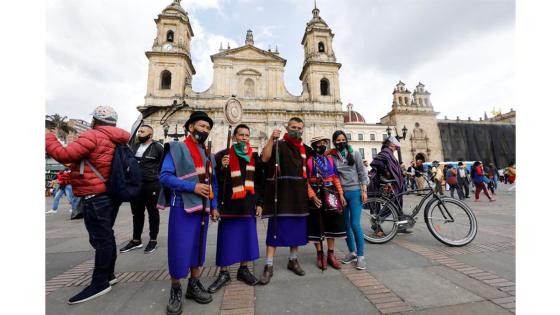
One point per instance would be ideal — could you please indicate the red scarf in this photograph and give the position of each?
(198, 164)
(301, 148)
(239, 189)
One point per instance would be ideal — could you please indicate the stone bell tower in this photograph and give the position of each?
(319, 75)
(170, 68)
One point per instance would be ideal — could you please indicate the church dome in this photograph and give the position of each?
(353, 117)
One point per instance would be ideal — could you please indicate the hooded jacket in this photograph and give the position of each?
(96, 145)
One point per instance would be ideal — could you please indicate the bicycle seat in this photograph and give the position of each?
(384, 180)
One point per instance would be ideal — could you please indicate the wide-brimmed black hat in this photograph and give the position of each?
(199, 115)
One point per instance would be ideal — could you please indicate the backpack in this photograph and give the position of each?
(125, 179)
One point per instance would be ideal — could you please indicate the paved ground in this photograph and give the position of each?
(413, 274)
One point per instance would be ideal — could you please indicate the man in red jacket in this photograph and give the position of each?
(97, 146)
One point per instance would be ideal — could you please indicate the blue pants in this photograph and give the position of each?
(66, 190)
(352, 214)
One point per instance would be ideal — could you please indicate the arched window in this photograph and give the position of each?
(324, 87)
(165, 80)
(321, 47)
(420, 102)
(405, 100)
(170, 36)
(249, 88)
(400, 100)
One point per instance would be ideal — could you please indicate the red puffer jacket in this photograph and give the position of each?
(97, 145)
(63, 177)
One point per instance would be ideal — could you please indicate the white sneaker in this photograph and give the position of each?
(361, 263)
(51, 211)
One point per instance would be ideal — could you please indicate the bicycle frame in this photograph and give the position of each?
(431, 193)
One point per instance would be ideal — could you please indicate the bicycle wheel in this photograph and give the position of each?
(379, 220)
(451, 221)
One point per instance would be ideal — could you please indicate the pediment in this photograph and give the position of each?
(250, 53)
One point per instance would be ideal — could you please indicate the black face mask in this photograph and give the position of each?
(143, 139)
(200, 136)
(321, 149)
(340, 146)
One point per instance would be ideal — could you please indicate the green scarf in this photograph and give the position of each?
(343, 153)
(240, 151)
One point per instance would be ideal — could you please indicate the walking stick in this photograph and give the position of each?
(276, 172)
(204, 200)
(233, 111)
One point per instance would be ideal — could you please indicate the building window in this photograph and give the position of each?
(360, 137)
(406, 100)
(420, 102)
(400, 100)
(249, 88)
(324, 87)
(170, 36)
(372, 136)
(321, 47)
(165, 80)
(385, 137)
(362, 153)
(349, 136)
(373, 152)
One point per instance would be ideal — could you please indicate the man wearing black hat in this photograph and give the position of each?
(185, 189)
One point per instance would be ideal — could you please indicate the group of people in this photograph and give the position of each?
(308, 193)
(460, 179)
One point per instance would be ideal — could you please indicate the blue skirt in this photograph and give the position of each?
(291, 231)
(237, 241)
(183, 241)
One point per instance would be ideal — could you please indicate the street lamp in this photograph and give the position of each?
(404, 131)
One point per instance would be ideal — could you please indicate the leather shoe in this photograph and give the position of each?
(294, 266)
(332, 261)
(197, 292)
(175, 305)
(243, 274)
(222, 280)
(267, 274)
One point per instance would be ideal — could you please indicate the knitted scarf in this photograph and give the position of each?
(298, 144)
(198, 163)
(239, 189)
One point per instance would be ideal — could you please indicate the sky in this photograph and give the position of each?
(462, 51)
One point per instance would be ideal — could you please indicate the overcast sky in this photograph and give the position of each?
(463, 51)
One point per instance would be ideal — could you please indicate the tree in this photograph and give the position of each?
(58, 124)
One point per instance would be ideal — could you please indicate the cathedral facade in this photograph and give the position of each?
(247, 74)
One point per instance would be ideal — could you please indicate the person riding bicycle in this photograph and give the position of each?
(385, 167)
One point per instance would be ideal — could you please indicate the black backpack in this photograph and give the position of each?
(125, 179)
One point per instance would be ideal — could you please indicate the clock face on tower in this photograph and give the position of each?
(167, 47)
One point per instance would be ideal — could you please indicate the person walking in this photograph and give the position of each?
(452, 180)
(354, 180)
(240, 183)
(149, 155)
(463, 179)
(64, 188)
(480, 180)
(326, 201)
(285, 197)
(439, 177)
(189, 187)
(419, 179)
(97, 146)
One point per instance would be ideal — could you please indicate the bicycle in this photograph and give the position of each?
(449, 220)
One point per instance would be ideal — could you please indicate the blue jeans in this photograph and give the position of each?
(352, 214)
(66, 190)
(99, 217)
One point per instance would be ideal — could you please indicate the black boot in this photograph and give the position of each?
(175, 305)
(243, 274)
(197, 292)
(223, 279)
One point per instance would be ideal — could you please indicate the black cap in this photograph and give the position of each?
(199, 115)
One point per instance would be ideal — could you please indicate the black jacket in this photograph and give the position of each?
(150, 161)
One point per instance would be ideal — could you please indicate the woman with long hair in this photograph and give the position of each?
(354, 180)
